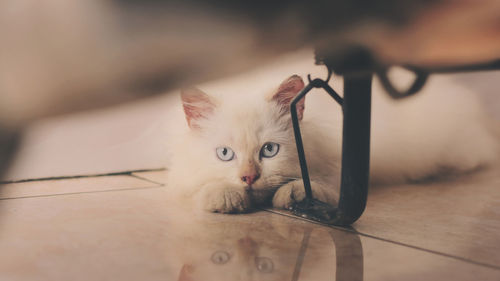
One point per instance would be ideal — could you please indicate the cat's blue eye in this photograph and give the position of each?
(264, 264)
(269, 149)
(224, 153)
(220, 257)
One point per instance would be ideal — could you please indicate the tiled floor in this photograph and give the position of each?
(124, 227)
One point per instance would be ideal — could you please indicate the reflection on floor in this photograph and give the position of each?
(123, 227)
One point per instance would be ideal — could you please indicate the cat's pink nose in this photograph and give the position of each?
(250, 179)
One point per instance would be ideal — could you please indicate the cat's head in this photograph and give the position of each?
(248, 140)
(240, 259)
(240, 249)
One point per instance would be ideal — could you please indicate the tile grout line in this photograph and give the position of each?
(82, 192)
(352, 230)
(346, 229)
(146, 179)
(431, 251)
(83, 176)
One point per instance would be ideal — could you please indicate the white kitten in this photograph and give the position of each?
(237, 148)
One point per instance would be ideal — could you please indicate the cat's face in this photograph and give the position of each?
(240, 249)
(242, 258)
(248, 141)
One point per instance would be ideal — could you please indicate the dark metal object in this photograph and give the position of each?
(9, 143)
(302, 254)
(358, 60)
(316, 83)
(422, 75)
(421, 78)
(484, 66)
(357, 69)
(356, 107)
(355, 148)
(348, 253)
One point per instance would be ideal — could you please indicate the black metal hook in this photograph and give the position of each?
(329, 75)
(316, 83)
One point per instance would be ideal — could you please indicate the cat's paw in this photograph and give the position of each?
(293, 192)
(226, 200)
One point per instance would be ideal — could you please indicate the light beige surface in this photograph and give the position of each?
(459, 217)
(115, 139)
(139, 234)
(68, 186)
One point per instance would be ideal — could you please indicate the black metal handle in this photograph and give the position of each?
(316, 83)
(356, 106)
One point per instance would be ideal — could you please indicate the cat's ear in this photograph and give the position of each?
(197, 105)
(287, 91)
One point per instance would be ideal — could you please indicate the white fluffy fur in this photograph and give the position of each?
(442, 128)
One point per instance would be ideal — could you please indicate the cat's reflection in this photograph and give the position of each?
(262, 247)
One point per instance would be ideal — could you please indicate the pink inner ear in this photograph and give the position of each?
(287, 91)
(197, 105)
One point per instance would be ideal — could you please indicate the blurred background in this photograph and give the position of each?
(69, 69)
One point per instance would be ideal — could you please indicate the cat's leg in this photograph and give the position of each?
(294, 191)
(219, 198)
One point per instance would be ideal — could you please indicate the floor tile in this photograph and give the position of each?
(143, 235)
(458, 217)
(74, 185)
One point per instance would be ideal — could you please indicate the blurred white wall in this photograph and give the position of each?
(133, 136)
(121, 138)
